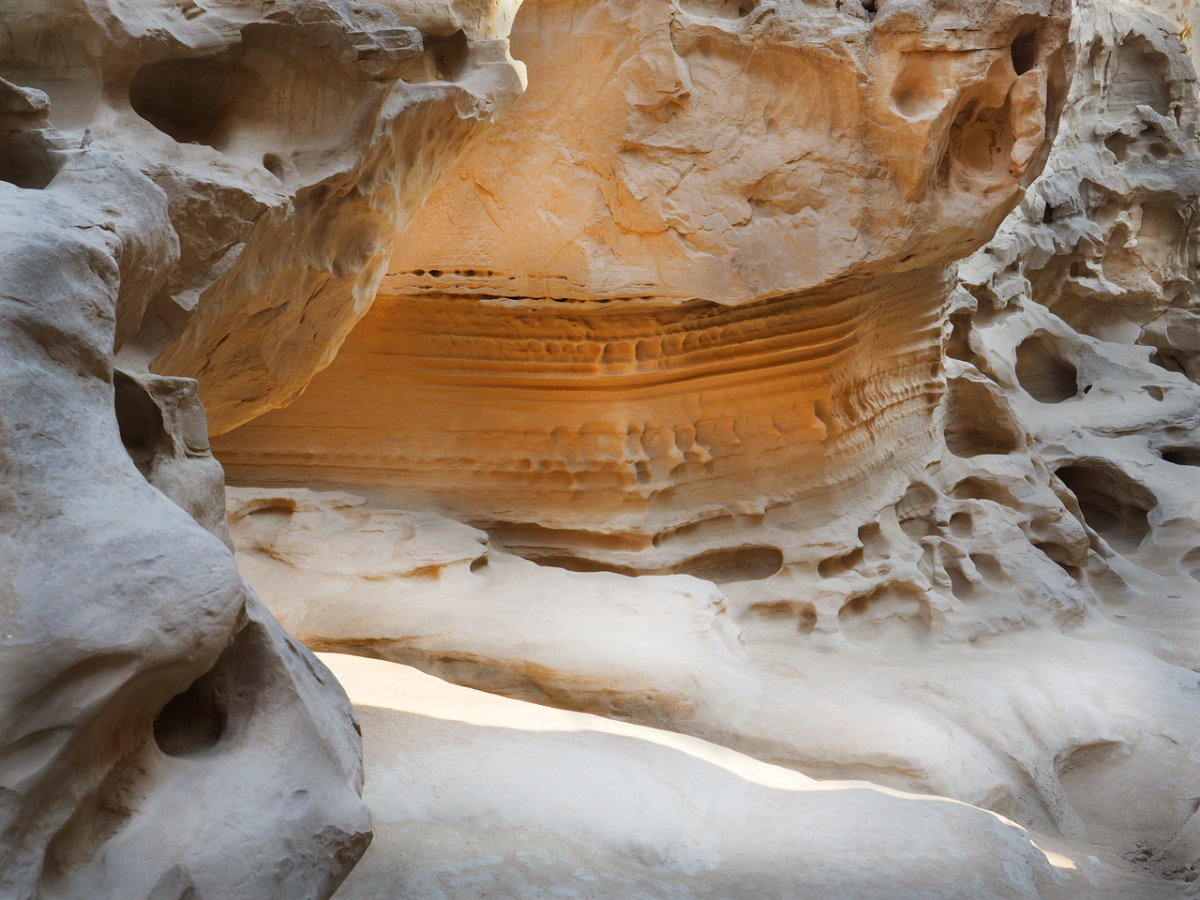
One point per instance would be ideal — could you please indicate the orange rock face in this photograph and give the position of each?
(623, 420)
(696, 275)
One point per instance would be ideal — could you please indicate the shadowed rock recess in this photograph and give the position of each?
(717, 449)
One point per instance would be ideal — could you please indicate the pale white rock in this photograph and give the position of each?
(148, 698)
(473, 794)
(160, 735)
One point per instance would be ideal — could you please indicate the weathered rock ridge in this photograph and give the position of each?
(160, 735)
(651, 300)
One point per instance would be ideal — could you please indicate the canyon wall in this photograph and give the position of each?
(652, 307)
(790, 410)
(160, 734)
(811, 458)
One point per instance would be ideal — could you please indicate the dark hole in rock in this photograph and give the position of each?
(725, 566)
(140, 420)
(840, 565)
(976, 424)
(1113, 504)
(1024, 52)
(1183, 456)
(1048, 215)
(961, 586)
(961, 524)
(784, 613)
(578, 564)
(450, 55)
(1153, 390)
(719, 9)
(958, 345)
(989, 568)
(273, 164)
(1118, 145)
(1063, 558)
(193, 721)
(915, 511)
(1191, 563)
(24, 159)
(192, 100)
(974, 488)
(219, 702)
(1138, 78)
(1043, 372)
(479, 563)
(1172, 362)
(890, 611)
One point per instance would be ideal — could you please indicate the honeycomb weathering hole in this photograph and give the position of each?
(192, 100)
(23, 161)
(1183, 456)
(1114, 505)
(140, 421)
(450, 55)
(1043, 373)
(725, 566)
(193, 721)
(220, 702)
(888, 612)
(975, 423)
(1024, 52)
(719, 9)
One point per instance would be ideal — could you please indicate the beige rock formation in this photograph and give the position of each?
(994, 600)
(250, 163)
(650, 309)
(292, 139)
(780, 381)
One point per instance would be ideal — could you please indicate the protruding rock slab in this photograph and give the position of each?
(693, 279)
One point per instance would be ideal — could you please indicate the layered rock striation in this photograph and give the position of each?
(693, 280)
(971, 574)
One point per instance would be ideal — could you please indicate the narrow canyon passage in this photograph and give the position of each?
(618, 449)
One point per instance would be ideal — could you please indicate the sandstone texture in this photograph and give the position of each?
(926, 522)
(474, 793)
(161, 736)
(651, 306)
(724, 448)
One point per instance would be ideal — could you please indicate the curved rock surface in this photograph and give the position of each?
(244, 163)
(473, 793)
(994, 600)
(649, 308)
(148, 697)
(782, 382)
(293, 141)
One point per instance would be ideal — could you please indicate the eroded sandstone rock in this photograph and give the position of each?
(649, 311)
(1006, 615)
(160, 735)
(293, 140)
(471, 791)
(148, 698)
